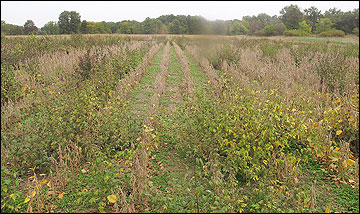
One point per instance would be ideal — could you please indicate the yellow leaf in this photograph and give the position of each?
(61, 194)
(33, 193)
(27, 199)
(344, 165)
(49, 184)
(43, 181)
(351, 118)
(338, 132)
(328, 209)
(350, 162)
(112, 198)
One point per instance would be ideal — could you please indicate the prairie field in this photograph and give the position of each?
(165, 123)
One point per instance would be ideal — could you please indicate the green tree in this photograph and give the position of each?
(91, 26)
(219, 27)
(333, 14)
(176, 27)
(84, 27)
(30, 28)
(323, 25)
(103, 27)
(124, 28)
(138, 28)
(238, 28)
(167, 19)
(69, 22)
(16, 30)
(291, 16)
(10, 29)
(312, 16)
(151, 26)
(270, 30)
(51, 28)
(303, 26)
(114, 26)
(348, 21)
(164, 29)
(195, 24)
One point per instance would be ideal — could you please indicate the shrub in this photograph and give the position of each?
(296, 33)
(332, 33)
(356, 31)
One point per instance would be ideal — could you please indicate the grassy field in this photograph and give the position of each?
(180, 123)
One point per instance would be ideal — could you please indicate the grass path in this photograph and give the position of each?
(173, 177)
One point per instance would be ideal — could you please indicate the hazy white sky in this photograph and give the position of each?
(41, 12)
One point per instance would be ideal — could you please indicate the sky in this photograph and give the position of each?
(41, 12)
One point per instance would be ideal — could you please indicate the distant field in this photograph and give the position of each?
(179, 123)
(346, 39)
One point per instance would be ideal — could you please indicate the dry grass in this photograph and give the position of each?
(189, 82)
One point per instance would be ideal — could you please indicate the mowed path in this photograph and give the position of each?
(172, 176)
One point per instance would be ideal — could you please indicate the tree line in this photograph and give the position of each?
(292, 21)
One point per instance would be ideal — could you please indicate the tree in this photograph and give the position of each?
(164, 29)
(151, 26)
(69, 22)
(291, 16)
(238, 28)
(16, 30)
(30, 28)
(51, 28)
(348, 21)
(167, 19)
(84, 27)
(303, 26)
(175, 27)
(179, 26)
(312, 16)
(219, 27)
(10, 29)
(124, 28)
(195, 24)
(103, 27)
(138, 28)
(323, 25)
(114, 26)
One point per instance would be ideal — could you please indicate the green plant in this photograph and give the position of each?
(332, 33)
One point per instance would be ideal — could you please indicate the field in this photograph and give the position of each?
(179, 124)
